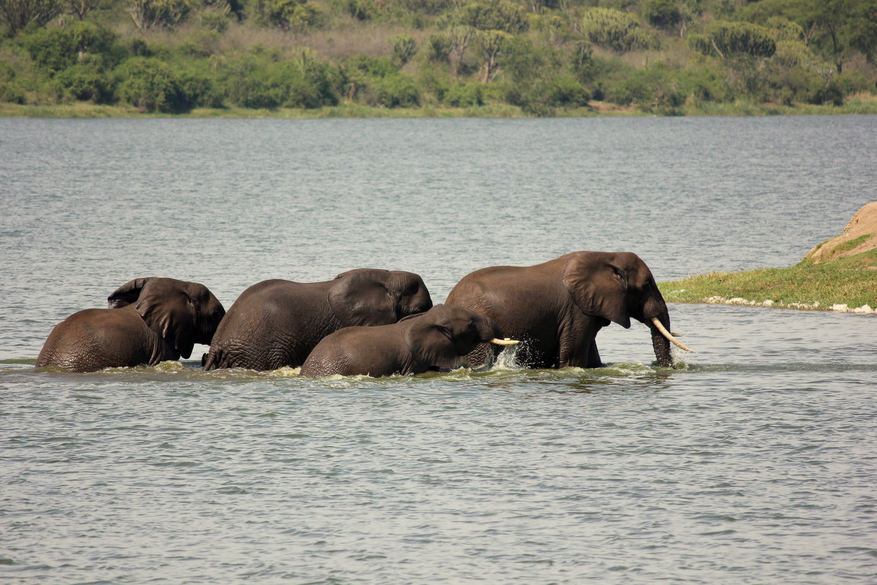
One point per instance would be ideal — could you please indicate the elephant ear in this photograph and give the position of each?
(169, 310)
(598, 287)
(127, 293)
(359, 297)
(431, 343)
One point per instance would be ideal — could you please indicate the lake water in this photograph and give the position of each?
(754, 462)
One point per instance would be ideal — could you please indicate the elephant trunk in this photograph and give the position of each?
(658, 319)
(661, 345)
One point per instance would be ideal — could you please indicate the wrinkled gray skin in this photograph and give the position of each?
(557, 308)
(149, 320)
(277, 323)
(429, 341)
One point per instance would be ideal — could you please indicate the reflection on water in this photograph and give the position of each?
(749, 462)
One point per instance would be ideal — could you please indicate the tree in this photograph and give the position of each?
(151, 85)
(294, 15)
(834, 28)
(491, 43)
(501, 15)
(404, 48)
(149, 13)
(79, 8)
(459, 38)
(728, 39)
(619, 31)
(19, 13)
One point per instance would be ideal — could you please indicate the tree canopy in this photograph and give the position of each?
(540, 57)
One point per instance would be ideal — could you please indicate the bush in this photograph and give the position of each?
(151, 85)
(258, 81)
(394, 91)
(10, 91)
(829, 93)
(469, 94)
(567, 92)
(52, 49)
(87, 82)
(662, 13)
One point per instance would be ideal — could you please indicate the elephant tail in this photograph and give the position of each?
(211, 360)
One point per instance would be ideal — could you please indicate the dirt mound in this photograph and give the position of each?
(859, 236)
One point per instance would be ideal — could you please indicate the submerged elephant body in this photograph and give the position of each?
(276, 323)
(150, 320)
(557, 308)
(417, 344)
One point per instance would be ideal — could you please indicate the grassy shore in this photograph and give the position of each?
(855, 104)
(844, 284)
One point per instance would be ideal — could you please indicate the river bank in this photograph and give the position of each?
(863, 103)
(837, 275)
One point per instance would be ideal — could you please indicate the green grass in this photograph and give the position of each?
(851, 281)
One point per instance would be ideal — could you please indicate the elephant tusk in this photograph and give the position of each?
(505, 341)
(668, 335)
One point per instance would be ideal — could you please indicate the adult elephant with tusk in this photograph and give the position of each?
(277, 323)
(557, 308)
(430, 341)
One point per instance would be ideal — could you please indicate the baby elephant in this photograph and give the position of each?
(149, 320)
(416, 344)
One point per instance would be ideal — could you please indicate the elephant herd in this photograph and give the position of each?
(373, 322)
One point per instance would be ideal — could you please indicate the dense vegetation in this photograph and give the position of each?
(536, 57)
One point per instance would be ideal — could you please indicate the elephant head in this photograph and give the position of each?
(616, 287)
(182, 313)
(440, 337)
(368, 296)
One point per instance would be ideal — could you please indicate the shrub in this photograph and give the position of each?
(829, 93)
(429, 7)
(394, 91)
(10, 91)
(567, 92)
(463, 95)
(52, 49)
(87, 82)
(214, 21)
(258, 81)
(151, 85)
(662, 13)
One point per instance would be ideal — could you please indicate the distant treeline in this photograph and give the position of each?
(543, 56)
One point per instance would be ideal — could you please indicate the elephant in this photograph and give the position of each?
(148, 320)
(276, 323)
(416, 344)
(557, 308)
